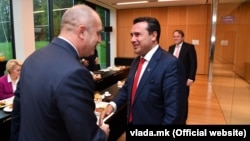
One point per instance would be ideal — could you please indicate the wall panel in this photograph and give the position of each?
(191, 19)
(124, 17)
(177, 15)
(124, 47)
(196, 32)
(161, 14)
(197, 15)
(141, 12)
(242, 58)
(164, 38)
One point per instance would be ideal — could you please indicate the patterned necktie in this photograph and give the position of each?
(135, 84)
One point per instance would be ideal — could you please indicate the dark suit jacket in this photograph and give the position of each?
(161, 97)
(54, 98)
(189, 58)
(92, 64)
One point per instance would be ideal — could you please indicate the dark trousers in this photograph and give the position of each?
(186, 114)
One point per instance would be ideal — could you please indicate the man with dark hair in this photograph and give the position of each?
(155, 87)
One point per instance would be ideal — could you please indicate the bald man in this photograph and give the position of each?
(54, 97)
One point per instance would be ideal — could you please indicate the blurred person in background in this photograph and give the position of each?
(187, 54)
(8, 82)
(91, 62)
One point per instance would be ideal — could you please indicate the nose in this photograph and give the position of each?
(99, 39)
(133, 39)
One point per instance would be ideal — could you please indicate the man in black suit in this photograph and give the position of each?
(54, 100)
(187, 54)
(91, 62)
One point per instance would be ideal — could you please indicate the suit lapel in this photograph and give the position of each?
(148, 71)
(183, 49)
(171, 49)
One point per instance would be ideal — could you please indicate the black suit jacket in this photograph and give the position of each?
(92, 64)
(189, 58)
(54, 100)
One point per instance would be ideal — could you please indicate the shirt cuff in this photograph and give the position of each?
(112, 103)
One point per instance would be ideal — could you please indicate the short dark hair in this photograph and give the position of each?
(180, 32)
(153, 25)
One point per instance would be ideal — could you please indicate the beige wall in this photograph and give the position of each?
(193, 20)
(236, 52)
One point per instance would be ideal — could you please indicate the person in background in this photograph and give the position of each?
(91, 62)
(9, 81)
(187, 54)
(160, 97)
(54, 100)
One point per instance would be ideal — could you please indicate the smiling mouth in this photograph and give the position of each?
(135, 45)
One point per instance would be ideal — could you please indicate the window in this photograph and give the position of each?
(6, 31)
(47, 18)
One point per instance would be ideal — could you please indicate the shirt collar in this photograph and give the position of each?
(149, 55)
(8, 78)
(180, 44)
(69, 43)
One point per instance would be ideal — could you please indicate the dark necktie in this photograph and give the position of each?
(134, 88)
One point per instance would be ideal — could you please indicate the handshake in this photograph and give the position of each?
(105, 114)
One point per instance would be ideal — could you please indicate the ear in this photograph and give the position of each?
(154, 34)
(81, 31)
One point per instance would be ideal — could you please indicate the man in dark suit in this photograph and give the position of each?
(160, 95)
(91, 62)
(54, 100)
(187, 54)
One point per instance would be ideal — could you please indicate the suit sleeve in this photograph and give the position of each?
(76, 105)
(5, 88)
(175, 97)
(15, 116)
(193, 63)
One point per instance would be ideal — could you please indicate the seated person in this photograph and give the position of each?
(9, 81)
(91, 62)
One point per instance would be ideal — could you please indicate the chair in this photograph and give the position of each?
(2, 67)
(123, 61)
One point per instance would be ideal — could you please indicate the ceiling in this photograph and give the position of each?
(154, 3)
